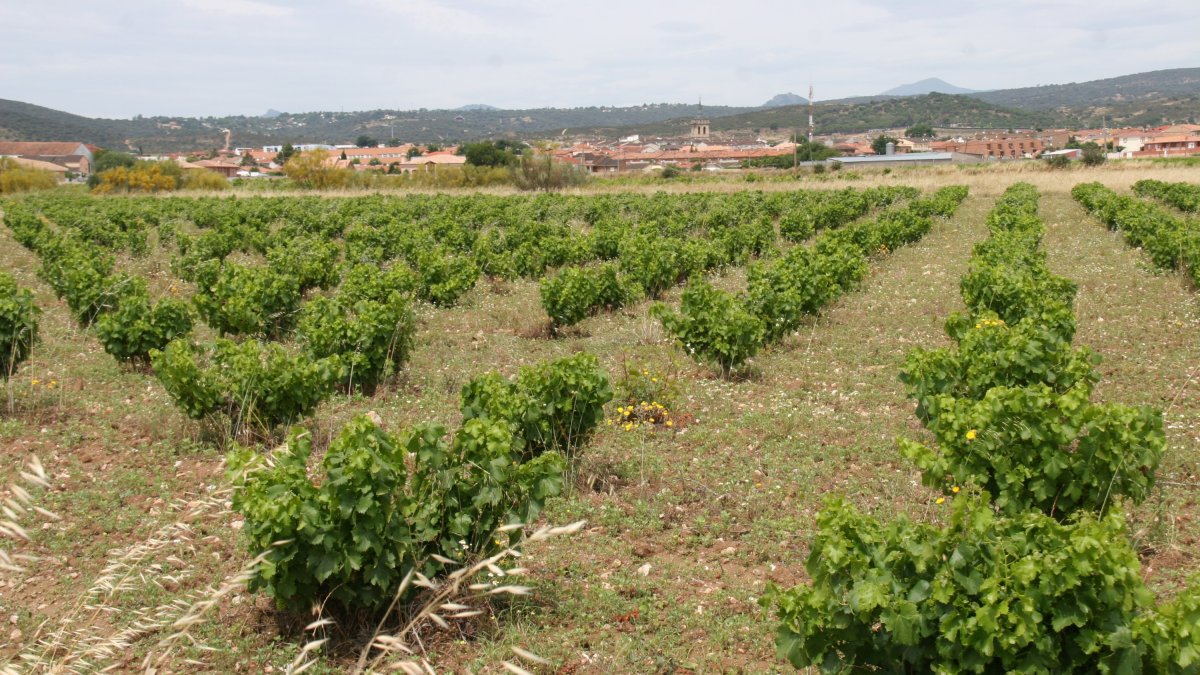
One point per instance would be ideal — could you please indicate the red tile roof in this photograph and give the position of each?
(40, 149)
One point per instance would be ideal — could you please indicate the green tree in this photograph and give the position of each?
(1093, 154)
(919, 131)
(879, 145)
(111, 159)
(414, 151)
(365, 141)
(287, 152)
(108, 159)
(485, 153)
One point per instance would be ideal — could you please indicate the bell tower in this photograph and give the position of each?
(700, 125)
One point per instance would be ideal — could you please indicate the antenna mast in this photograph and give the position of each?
(811, 126)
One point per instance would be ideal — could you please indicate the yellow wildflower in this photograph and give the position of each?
(940, 500)
(34, 382)
(954, 489)
(670, 423)
(971, 435)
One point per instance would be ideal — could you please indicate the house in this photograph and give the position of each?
(76, 157)
(225, 168)
(384, 155)
(1004, 147)
(59, 170)
(1171, 145)
(724, 156)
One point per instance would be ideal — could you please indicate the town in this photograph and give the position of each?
(697, 149)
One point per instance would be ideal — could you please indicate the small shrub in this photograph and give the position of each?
(371, 339)
(240, 300)
(259, 386)
(643, 383)
(713, 327)
(1058, 162)
(203, 179)
(382, 505)
(136, 326)
(18, 324)
(986, 593)
(553, 406)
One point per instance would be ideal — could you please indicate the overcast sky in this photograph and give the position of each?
(119, 58)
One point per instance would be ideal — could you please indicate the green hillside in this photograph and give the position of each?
(1156, 85)
(940, 110)
(23, 121)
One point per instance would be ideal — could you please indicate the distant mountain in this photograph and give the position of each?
(785, 99)
(927, 86)
(271, 113)
(476, 107)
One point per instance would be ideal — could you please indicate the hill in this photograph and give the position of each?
(24, 121)
(927, 86)
(1158, 85)
(940, 110)
(785, 99)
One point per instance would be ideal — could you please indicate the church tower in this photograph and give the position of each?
(700, 125)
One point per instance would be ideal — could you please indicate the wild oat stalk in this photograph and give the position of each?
(18, 502)
(457, 596)
(84, 638)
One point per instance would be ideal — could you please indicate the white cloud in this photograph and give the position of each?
(232, 56)
(431, 16)
(238, 8)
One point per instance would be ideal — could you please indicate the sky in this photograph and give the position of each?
(120, 58)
